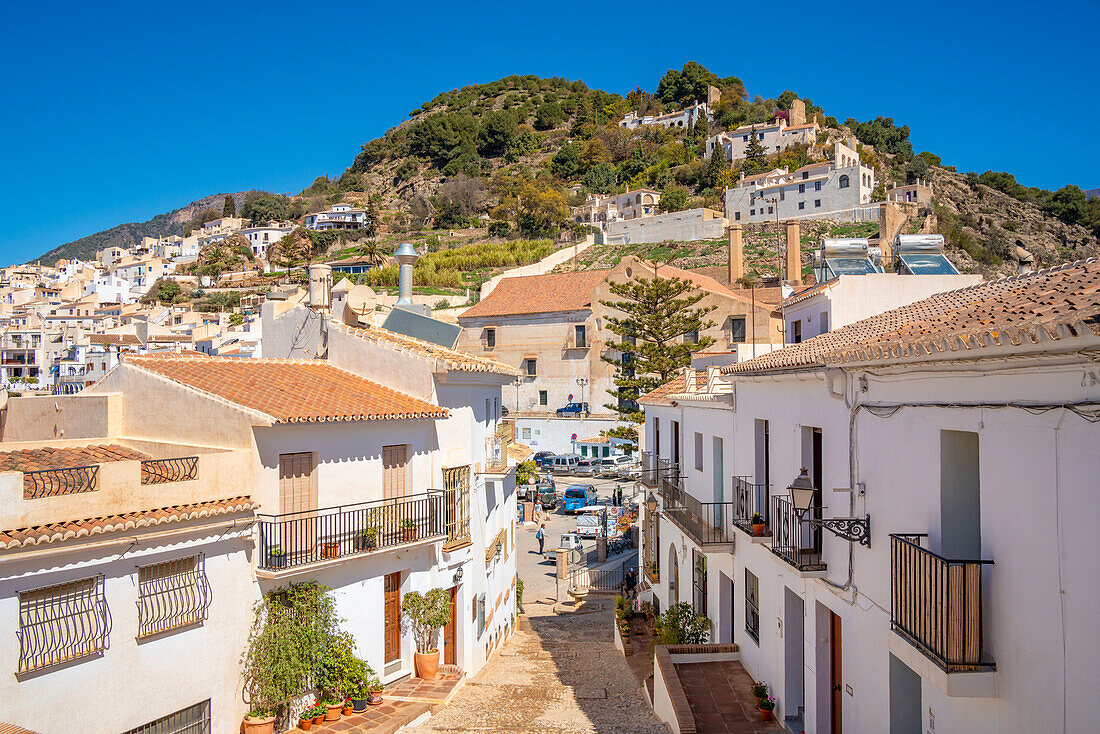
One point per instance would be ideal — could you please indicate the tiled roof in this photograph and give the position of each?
(807, 293)
(60, 531)
(675, 386)
(450, 358)
(531, 294)
(13, 729)
(58, 458)
(700, 281)
(1050, 304)
(109, 339)
(290, 390)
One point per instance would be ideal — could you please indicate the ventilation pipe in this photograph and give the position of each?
(405, 256)
(320, 287)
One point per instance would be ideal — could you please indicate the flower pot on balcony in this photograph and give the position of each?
(259, 724)
(348, 708)
(766, 715)
(358, 705)
(276, 558)
(330, 549)
(366, 540)
(319, 719)
(427, 664)
(758, 528)
(408, 532)
(375, 699)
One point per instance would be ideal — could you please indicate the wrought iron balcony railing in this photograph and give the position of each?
(703, 522)
(648, 464)
(751, 499)
(53, 482)
(936, 604)
(163, 471)
(794, 538)
(310, 536)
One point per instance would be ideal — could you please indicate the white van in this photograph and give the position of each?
(613, 466)
(565, 464)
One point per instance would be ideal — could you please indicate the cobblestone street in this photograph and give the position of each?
(558, 674)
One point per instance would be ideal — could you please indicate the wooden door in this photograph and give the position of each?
(394, 469)
(836, 675)
(450, 651)
(392, 625)
(297, 531)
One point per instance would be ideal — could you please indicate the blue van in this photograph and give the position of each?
(578, 496)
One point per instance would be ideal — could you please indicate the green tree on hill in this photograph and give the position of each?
(755, 160)
(229, 207)
(657, 334)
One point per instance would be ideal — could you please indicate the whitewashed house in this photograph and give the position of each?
(939, 574)
(340, 216)
(773, 138)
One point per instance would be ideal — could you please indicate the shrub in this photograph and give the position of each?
(681, 625)
(426, 613)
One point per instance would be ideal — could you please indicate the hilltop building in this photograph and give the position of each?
(600, 210)
(773, 137)
(340, 216)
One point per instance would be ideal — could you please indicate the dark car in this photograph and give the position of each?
(573, 409)
(542, 458)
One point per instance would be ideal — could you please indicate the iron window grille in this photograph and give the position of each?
(62, 622)
(163, 471)
(191, 720)
(172, 594)
(53, 482)
(752, 606)
(456, 504)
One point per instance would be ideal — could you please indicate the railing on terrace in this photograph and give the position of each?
(795, 539)
(649, 469)
(704, 522)
(671, 490)
(163, 471)
(603, 579)
(936, 604)
(300, 538)
(54, 482)
(751, 499)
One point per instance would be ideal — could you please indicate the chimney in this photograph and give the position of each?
(793, 273)
(320, 287)
(737, 255)
(405, 256)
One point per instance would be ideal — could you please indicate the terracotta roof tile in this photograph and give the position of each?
(26, 460)
(449, 358)
(290, 390)
(59, 531)
(675, 386)
(531, 294)
(1059, 302)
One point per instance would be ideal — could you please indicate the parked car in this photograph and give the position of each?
(612, 466)
(571, 542)
(578, 496)
(564, 464)
(587, 467)
(573, 409)
(631, 472)
(542, 457)
(547, 496)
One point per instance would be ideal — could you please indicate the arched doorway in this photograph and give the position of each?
(673, 577)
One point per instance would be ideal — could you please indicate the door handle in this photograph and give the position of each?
(836, 687)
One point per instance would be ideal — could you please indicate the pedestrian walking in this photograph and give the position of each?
(540, 534)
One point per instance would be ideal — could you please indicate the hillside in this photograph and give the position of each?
(129, 234)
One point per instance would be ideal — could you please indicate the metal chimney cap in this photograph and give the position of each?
(406, 254)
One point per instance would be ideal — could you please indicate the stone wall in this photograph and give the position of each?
(685, 226)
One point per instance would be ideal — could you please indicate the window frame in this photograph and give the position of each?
(52, 617)
(752, 606)
(191, 611)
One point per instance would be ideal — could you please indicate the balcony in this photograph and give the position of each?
(496, 449)
(705, 523)
(795, 539)
(649, 469)
(936, 604)
(309, 537)
(752, 499)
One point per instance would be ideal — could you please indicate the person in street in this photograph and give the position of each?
(630, 580)
(540, 535)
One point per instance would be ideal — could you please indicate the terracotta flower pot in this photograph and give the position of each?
(332, 713)
(262, 725)
(330, 550)
(766, 715)
(410, 535)
(375, 700)
(427, 664)
(305, 724)
(758, 528)
(319, 719)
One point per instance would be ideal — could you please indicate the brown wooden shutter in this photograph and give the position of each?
(296, 489)
(394, 469)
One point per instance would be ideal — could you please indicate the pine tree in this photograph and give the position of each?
(716, 166)
(229, 208)
(755, 161)
(658, 314)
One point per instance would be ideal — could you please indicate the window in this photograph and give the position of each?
(191, 720)
(796, 332)
(496, 408)
(844, 181)
(817, 186)
(805, 175)
(745, 138)
(692, 337)
(580, 336)
(62, 622)
(817, 203)
(801, 188)
(527, 433)
(782, 194)
(801, 205)
(761, 135)
(752, 606)
(456, 503)
(490, 338)
(699, 582)
(752, 212)
(531, 367)
(737, 216)
(769, 210)
(737, 329)
(698, 451)
(824, 321)
(172, 594)
(395, 467)
(542, 397)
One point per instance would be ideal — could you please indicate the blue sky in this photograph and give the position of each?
(118, 112)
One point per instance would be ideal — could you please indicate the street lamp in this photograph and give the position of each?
(582, 381)
(650, 503)
(852, 529)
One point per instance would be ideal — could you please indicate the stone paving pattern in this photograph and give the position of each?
(720, 696)
(559, 674)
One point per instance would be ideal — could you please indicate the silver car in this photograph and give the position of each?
(612, 466)
(587, 468)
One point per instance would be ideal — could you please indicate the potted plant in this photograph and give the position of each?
(408, 529)
(367, 539)
(332, 707)
(305, 719)
(330, 549)
(767, 705)
(259, 721)
(760, 691)
(276, 557)
(359, 677)
(348, 707)
(758, 527)
(426, 614)
(318, 712)
(374, 691)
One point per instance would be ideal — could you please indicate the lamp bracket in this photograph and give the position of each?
(852, 529)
